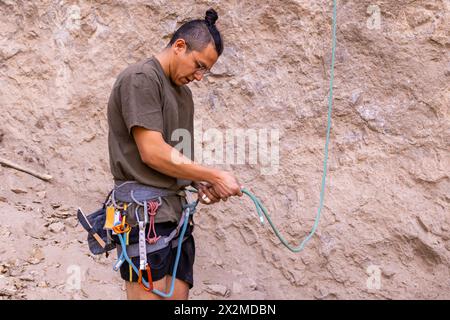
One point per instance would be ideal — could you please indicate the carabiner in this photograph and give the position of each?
(123, 227)
(149, 278)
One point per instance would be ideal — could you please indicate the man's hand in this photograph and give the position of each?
(226, 185)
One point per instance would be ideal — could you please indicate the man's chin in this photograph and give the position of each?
(183, 81)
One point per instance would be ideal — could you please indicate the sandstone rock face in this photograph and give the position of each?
(385, 226)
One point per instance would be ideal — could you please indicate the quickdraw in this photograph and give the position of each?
(152, 207)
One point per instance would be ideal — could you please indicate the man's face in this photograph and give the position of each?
(191, 65)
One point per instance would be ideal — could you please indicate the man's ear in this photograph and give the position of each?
(180, 46)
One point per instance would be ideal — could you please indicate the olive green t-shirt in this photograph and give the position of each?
(144, 96)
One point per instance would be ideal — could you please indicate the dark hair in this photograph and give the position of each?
(199, 33)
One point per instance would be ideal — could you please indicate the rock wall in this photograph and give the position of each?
(385, 226)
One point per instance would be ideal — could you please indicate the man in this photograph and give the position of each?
(149, 101)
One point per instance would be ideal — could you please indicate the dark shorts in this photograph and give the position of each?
(161, 262)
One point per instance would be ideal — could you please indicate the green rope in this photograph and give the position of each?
(260, 209)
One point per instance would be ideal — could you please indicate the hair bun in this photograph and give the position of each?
(211, 17)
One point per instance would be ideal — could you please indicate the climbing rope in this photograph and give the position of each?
(260, 209)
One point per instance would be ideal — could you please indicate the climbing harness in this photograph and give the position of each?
(149, 198)
(132, 204)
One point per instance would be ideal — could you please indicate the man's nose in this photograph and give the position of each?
(198, 76)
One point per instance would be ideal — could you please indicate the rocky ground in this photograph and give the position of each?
(385, 227)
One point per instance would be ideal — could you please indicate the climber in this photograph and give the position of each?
(149, 101)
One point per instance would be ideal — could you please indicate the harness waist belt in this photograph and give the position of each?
(133, 249)
(131, 191)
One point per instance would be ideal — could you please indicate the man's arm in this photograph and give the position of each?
(162, 157)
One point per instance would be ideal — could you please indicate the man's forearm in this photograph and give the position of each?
(171, 162)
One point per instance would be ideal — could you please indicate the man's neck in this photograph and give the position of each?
(164, 60)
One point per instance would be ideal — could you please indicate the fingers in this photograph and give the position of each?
(226, 191)
(206, 197)
(211, 195)
(238, 189)
(202, 198)
(221, 191)
(213, 192)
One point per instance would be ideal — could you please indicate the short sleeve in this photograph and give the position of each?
(141, 99)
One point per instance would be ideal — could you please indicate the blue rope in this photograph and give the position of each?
(125, 256)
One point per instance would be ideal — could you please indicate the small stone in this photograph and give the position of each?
(65, 209)
(62, 214)
(41, 194)
(388, 272)
(26, 278)
(43, 284)
(197, 292)
(250, 283)
(218, 290)
(18, 190)
(90, 138)
(33, 261)
(219, 263)
(55, 205)
(3, 199)
(56, 227)
(36, 257)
